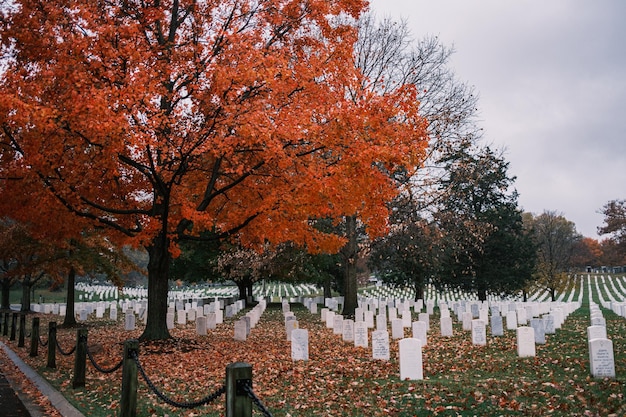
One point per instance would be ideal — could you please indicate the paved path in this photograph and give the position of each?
(57, 400)
(10, 403)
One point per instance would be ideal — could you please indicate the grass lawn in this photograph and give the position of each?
(341, 380)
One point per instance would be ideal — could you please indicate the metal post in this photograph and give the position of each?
(52, 344)
(34, 337)
(80, 359)
(13, 326)
(128, 402)
(238, 404)
(20, 340)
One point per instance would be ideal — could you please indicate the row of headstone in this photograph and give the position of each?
(601, 355)
(246, 323)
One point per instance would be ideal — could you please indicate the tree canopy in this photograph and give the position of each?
(163, 120)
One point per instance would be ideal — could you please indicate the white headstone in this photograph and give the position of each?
(290, 326)
(410, 351)
(129, 320)
(446, 327)
(397, 330)
(182, 317)
(419, 332)
(300, 345)
(348, 330)
(525, 341)
(479, 333)
(601, 358)
(241, 330)
(511, 320)
(337, 324)
(380, 345)
(169, 318)
(540, 333)
(211, 321)
(596, 332)
(113, 313)
(201, 326)
(497, 328)
(361, 334)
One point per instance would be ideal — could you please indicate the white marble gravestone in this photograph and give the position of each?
(300, 345)
(420, 332)
(601, 358)
(540, 332)
(241, 330)
(397, 329)
(479, 332)
(380, 345)
(446, 327)
(361, 334)
(511, 320)
(129, 320)
(347, 333)
(497, 328)
(201, 326)
(596, 332)
(525, 341)
(410, 352)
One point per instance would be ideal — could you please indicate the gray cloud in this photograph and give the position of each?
(552, 83)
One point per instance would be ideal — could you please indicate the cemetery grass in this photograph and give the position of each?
(341, 380)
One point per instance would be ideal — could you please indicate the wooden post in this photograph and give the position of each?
(20, 340)
(80, 359)
(34, 337)
(13, 326)
(52, 344)
(238, 404)
(128, 402)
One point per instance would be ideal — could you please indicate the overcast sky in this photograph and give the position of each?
(551, 76)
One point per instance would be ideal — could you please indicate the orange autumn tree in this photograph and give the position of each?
(162, 120)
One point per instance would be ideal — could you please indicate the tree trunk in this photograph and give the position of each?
(419, 292)
(553, 294)
(27, 284)
(349, 253)
(6, 294)
(70, 313)
(482, 294)
(328, 293)
(158, 268)
(241, 286)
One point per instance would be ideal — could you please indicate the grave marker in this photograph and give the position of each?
(411, 366)
(380, 345)
(525, 342)
(300, 345)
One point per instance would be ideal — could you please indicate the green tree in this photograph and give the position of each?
(556, 239)
(615, 222)
(485, 244)
(410, 254)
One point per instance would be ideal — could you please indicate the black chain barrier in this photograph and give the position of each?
(42, 343)
(206, 400)
(247, 387)
(95, 364)
(65, 353)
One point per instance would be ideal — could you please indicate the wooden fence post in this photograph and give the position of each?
(238, 404)
(52, 344)
(80, 359)
(128, 402)
(34, 337)
(13, 326)
(20, 340)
